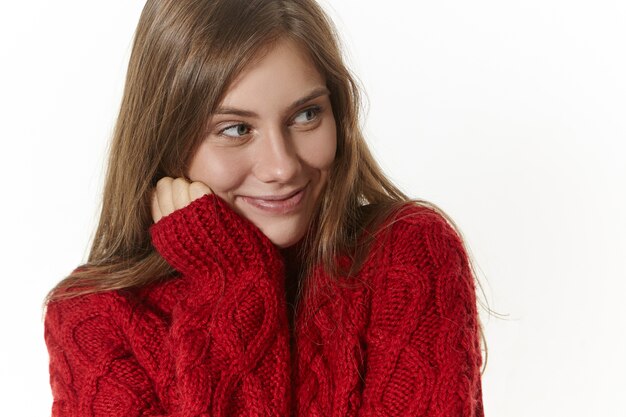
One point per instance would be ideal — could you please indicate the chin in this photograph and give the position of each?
(284, 242)
(284, 239)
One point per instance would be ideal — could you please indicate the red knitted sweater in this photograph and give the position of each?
(400, 340)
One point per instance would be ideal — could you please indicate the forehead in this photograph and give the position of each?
(283, 73)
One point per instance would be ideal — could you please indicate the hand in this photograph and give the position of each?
(172, 194)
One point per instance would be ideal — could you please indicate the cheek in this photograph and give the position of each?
(219, 169)
(320, 150)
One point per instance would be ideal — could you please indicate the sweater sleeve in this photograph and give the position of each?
(221, 350)
(229, 332)
(423, 342)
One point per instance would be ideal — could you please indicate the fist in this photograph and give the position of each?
(172, 194)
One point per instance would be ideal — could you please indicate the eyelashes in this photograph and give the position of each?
(316, 110)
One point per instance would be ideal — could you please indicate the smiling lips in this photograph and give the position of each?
(277, 204)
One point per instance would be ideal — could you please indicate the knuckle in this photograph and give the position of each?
(195, 186)
(180, 181)
(163, 183)
(199, 185)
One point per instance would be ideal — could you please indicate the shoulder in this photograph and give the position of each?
(420, 235)
(79, 307)
(86, 326)
(425, 260)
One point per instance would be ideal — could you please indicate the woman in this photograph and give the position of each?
(251, 257)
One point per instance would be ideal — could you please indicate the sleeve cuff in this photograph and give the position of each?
(208, 235)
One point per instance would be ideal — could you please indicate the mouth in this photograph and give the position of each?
(278, 204)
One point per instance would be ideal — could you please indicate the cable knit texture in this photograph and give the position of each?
(399, 339)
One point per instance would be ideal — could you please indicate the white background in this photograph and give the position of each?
(510, 115)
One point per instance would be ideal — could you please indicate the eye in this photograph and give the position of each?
(239, 129)
(311, 114)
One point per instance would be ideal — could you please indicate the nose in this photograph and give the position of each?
(277, 158)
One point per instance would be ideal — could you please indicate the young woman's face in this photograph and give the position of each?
(273, 135)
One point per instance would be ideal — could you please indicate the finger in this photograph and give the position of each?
(164, 195)
(180, 193)
(154, 208)
(197, 189)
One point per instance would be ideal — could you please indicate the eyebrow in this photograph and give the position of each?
(319, 91)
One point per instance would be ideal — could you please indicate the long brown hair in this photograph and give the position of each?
(184, 56)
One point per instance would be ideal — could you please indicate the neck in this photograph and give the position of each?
(293, 264)
(292, 258)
